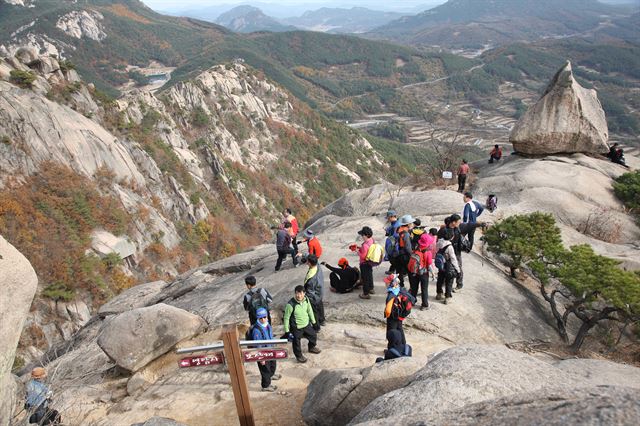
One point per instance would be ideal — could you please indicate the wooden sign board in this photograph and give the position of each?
(265, 355)
(202, 360)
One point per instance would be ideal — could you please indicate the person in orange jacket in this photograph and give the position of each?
(312, 242)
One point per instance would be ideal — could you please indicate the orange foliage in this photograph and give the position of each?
(124, 11)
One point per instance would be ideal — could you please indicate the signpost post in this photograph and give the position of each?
(235, 358)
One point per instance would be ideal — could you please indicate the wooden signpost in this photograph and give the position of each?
(234, 357)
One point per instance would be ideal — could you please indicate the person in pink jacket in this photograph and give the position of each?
(366, 268)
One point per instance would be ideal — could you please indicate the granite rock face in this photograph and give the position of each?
(567, 119)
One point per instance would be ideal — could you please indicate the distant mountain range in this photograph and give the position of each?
(248, 19)
(466, 23)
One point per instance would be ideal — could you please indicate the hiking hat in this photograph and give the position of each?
(308, 233)
(425, 240)
(365, 231)
(406, 219)
(343, 262)
(391, 213)
(262, 313)
(38, 373)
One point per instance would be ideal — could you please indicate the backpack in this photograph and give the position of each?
(391, 247)
(402, 305)
(415, 264)
(465, 244)
(441, 260)
(492, 203)
(292, 319)
(257, 301)
(375, 254)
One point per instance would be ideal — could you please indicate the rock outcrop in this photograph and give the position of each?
(135, 338)
(567, 119)
(18, 283)
(504, 383)
(82, 23)
(336, 396)
(135, 297)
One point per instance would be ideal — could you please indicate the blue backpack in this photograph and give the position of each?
(391, 249)
(441, 261)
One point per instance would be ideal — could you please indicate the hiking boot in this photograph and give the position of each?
(424, 307)
(314, 350)
(448, 300)
(372, 291)
(270, 388)
(333, 290)
(439, 296)
(459, 288)
(276, 376)
(364, 296)
(301, 359)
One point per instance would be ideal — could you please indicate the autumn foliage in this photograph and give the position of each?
(49, 218)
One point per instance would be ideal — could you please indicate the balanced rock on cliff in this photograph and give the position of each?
(567, 119)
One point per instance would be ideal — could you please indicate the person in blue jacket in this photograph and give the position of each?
(262, 330)
(472, 209)
(38, 398)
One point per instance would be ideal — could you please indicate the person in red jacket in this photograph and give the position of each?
(495, 154)
(421, 277)
(289, 217)
(463, 171)
(312, 243)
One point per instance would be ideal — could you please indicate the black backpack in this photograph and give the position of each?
(292, 319)
(256, 302)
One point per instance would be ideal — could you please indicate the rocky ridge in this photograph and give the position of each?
(224, 133)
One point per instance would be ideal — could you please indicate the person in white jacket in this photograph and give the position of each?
(451, 268)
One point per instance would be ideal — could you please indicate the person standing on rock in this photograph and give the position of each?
(366, 268)
(391, 243)
(495, 154)
(314, 288)
(420, 265)
(262, 330)
(38, 399)
(463, 171)
(344, 278)
(298, 323)
(404, 246)
(447, 264)
(397, 305)
(470, 213)
(283, 246)
(293, 231)
(255, 299)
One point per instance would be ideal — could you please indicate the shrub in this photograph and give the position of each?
(67, 65)
(22, 79)
(627, 189)
(199, 117)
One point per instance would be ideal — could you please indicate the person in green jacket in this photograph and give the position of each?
(299, 322)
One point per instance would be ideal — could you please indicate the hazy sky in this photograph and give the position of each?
(373, 4)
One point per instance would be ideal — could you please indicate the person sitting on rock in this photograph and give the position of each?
(612, 151)
(314, 288)
(397, 305)
(262, 330)
(495, 154)
(255, 299)
(298, 323)
(283, 246)
(619, 158)
(344, 278)
(395, 347)
(38, 399)
(313, 243)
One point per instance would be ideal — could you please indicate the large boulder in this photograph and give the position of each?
(466, 375)
(567, 119)
(135, 338)
(18, 283)
(337, 396)
(598, 405)
(135, 297)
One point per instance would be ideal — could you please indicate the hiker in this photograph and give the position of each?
(404, 246)
(395, 347)
(492, 203)
(344, 278)
(612, 151)
(472, 209)
(495, 154)
(298, 323)
(314, 288)
(419, 266)
(391, 243)
(433, 234)
(619, 158)
(397, 305)
(460, 241)
(283, 245)
(463, 171)
(366, 268)
(447, 264)
(38, 399)
(255, 299)
(313, 243)
(416, 232)
(261, 330)
(289, 217)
